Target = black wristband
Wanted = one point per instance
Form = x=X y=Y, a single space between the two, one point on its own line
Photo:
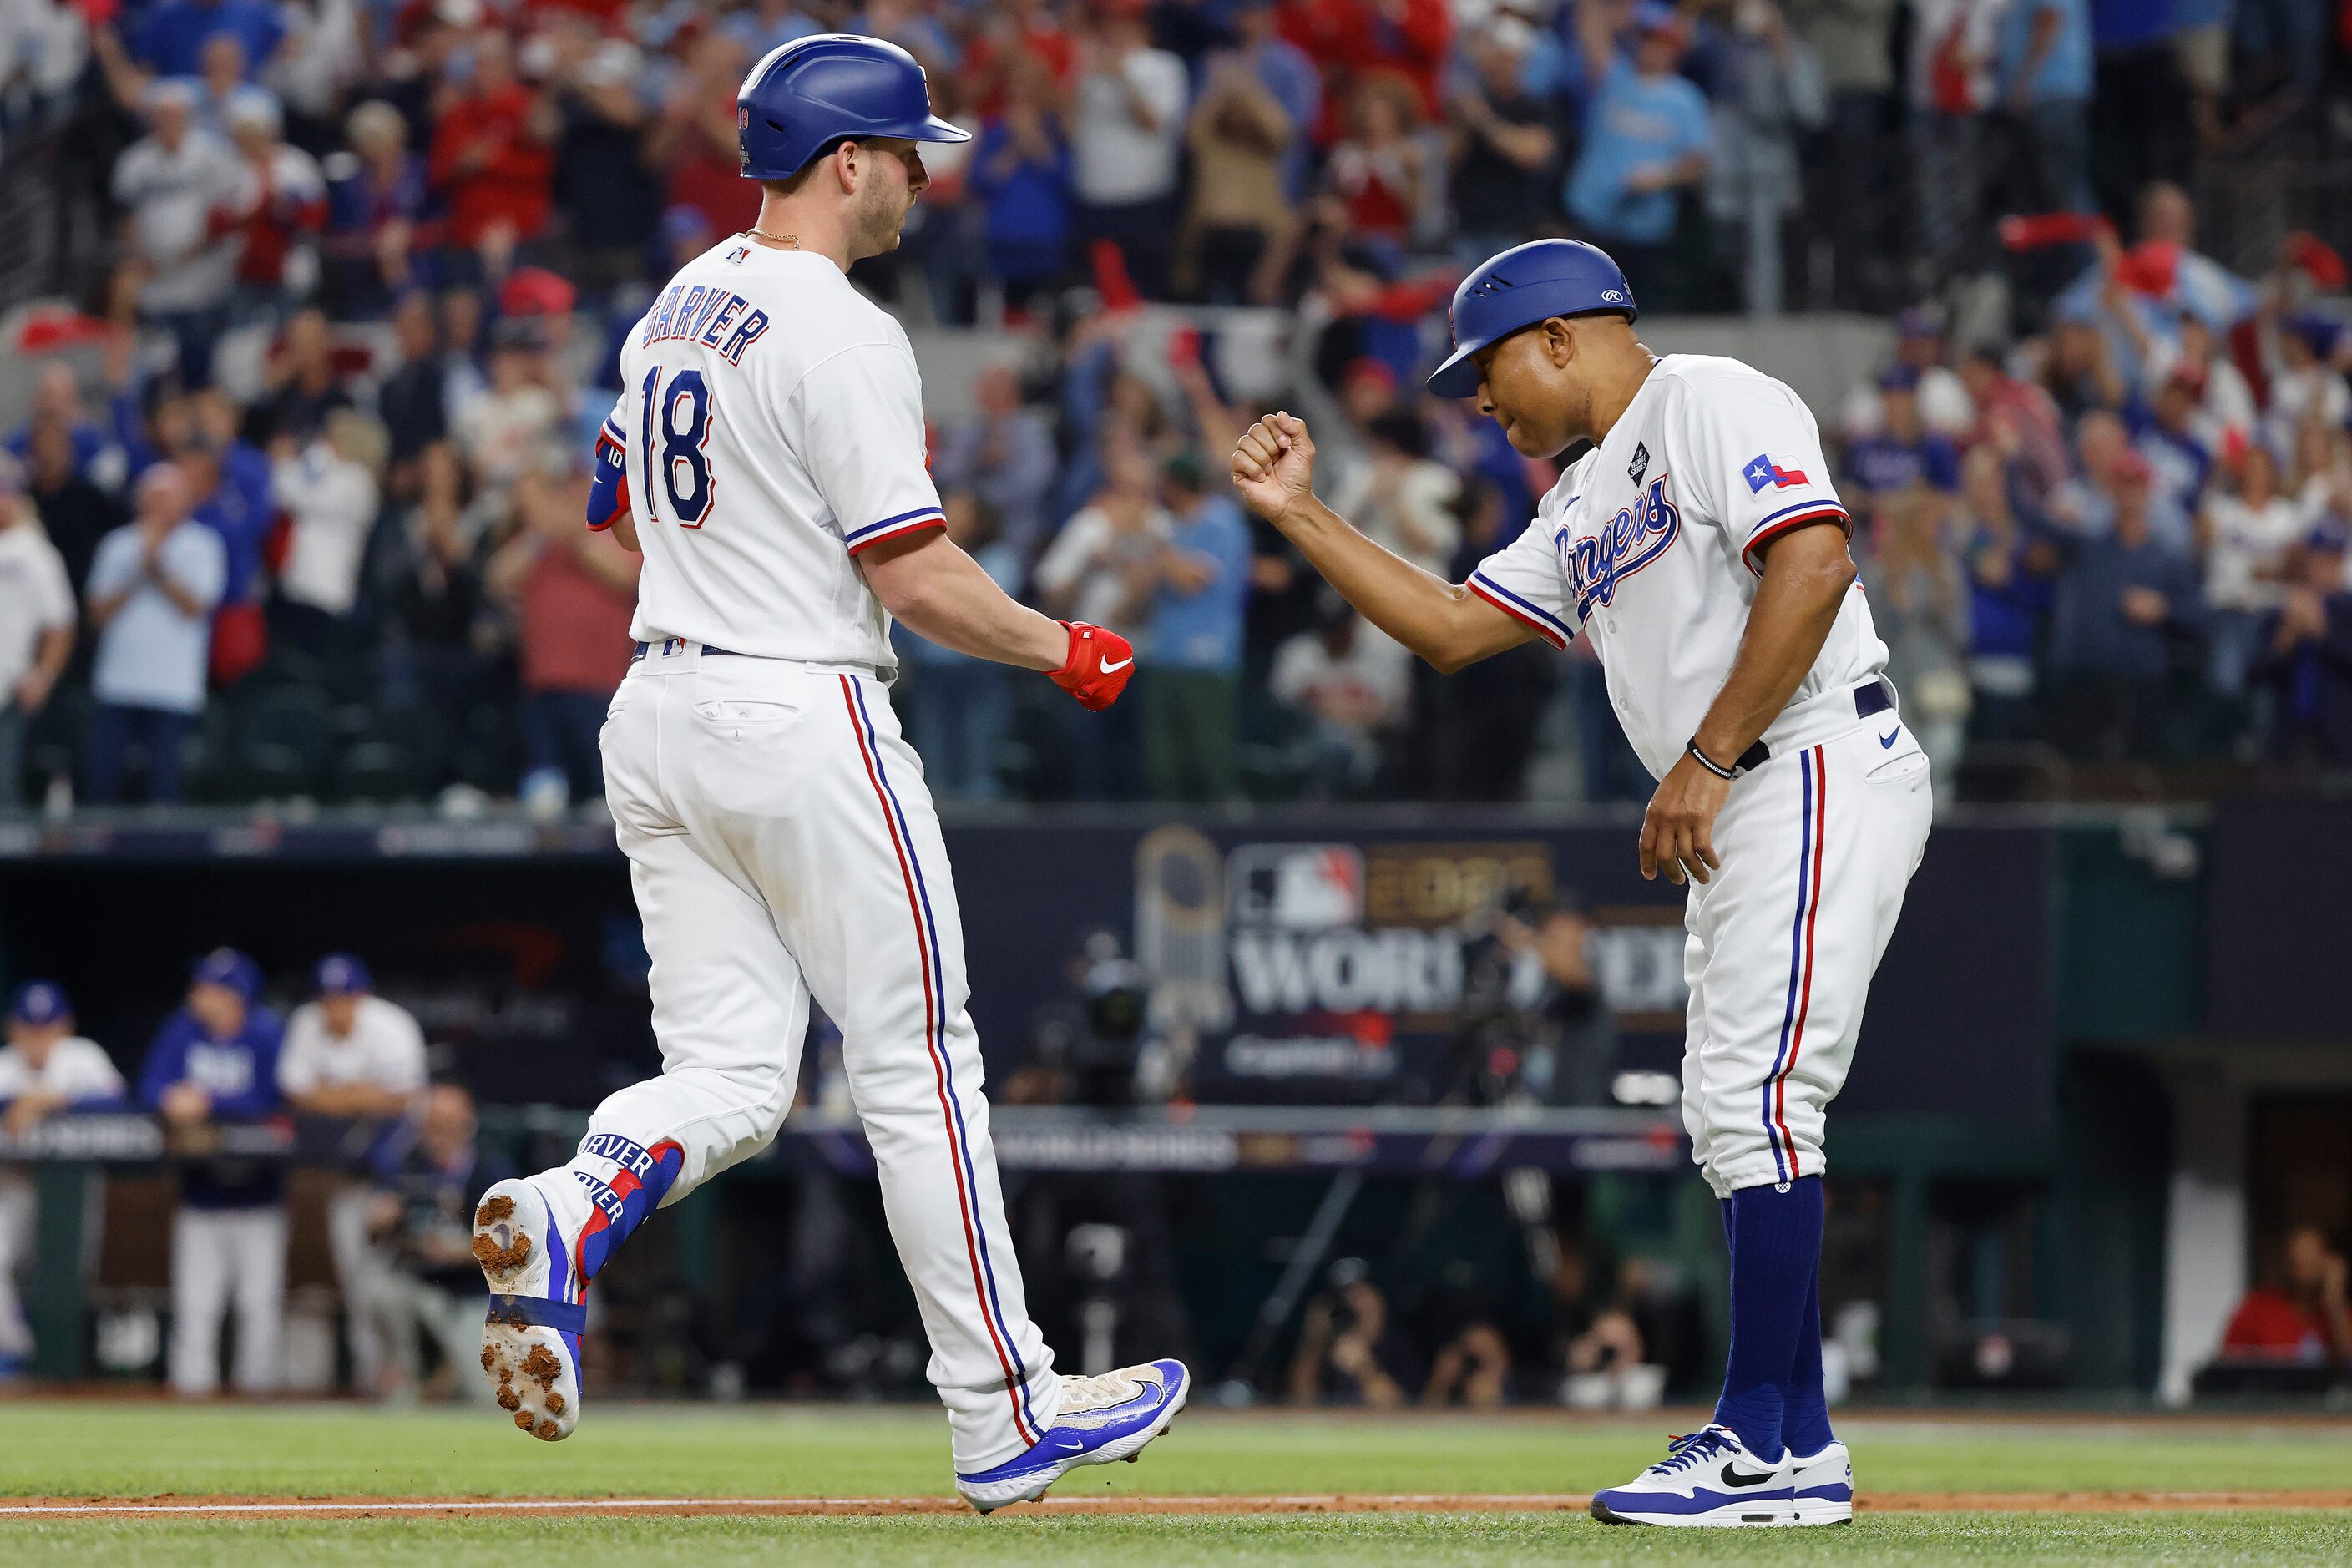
x=1709 y=764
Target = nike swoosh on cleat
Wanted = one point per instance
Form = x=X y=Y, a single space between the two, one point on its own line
x=1732 y=1478
x=1886 y=742
x=1115 y=668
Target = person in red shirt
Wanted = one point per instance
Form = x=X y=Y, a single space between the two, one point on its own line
x=692 y=140
x=281 y=206
x=2303 y=1318
x=494 y=156
x=572 y=593
x=1351 y=37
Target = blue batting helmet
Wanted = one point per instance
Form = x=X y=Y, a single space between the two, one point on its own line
x=832 y=87
x=1526 y=284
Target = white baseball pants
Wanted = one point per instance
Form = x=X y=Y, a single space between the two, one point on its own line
x=19 y=1230
x=782 y=845
x=219 y=1255
x=1818 y=846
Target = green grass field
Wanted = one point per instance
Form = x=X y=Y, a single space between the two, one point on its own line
x=150 y=1448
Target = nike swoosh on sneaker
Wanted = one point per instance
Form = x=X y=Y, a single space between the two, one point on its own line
x=1115 y=668
x=1732 y=1478
x=1886 y=742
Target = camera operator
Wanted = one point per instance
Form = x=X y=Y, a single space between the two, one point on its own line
x=1534 y=1027
x=429 y=1284
x=1103 y=1237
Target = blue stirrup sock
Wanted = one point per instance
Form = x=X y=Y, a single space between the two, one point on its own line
x=626 y=1183
x=1775 y=1235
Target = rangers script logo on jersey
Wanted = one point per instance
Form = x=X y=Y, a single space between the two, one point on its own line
x=1637 y=535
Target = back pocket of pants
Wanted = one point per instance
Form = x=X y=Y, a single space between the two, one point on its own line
x=728 y=715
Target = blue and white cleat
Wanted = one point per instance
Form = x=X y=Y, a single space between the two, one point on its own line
x=1707 y=1479
x=1102 y=1419
x=530 y=1341
x=1824 y=1486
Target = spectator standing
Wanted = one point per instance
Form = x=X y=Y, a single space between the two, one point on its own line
x=1904 y=467
x=1506 y=144
x=413 y=401
x=300 y=388
x=1021 y=175
x=1126 y=127
x=1004 y=456
x=326 y=489
x=2124 y=602
x=1852 y=40
x=1403 y=498
x=493 y=157
x=2309 y=663
x=1379 y=170
x=74 y=512
x=57 y=400
x=377 y=198
x=2250 y=528
x=1197 y=584
x=1284 y=69
x=1648 y=137
x=1238 y=225
x=215 y=1061
x=170 y=182
x=1090 y=573
x=431 y=1287
x=2044 y=70
x=1950 y=86
x=44 y=1069
x=610 y=200
x=959 y=708
x=151 y=591
x=2141 y=107
x=573 y=592
x=1771 y=98
x=279 y=209
x=2010 y=595
x=37 y=626
x=692 y=140
x=351 y=1055
x=1354 y=683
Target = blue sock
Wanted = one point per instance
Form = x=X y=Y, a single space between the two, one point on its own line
x=1805 y=1406
x=626 y=1183
x=1776 y=1259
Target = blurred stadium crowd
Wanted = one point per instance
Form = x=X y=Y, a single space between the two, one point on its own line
x=349 y=277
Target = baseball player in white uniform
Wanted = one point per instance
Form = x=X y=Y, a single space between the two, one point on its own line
x=1700 y=547
x=350 y=1053
x=767 y=457
x=44 y=1069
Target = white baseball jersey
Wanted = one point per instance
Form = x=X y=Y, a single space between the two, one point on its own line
x=1649 y=544
x=782 y=843
x=76 y=1068
x=771 y=423
x=384 y=1049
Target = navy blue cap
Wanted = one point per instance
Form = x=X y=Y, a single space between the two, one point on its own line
x=39 y=1002
x=340 y=975
x=1899 y=378
x=1526 y=284
x=2330 y=536
x=226 y=966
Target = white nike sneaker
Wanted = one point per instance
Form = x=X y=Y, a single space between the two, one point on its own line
x=1103 y=1419
x=1708 y=1479
x=1823 y=1485
x=530 y=1341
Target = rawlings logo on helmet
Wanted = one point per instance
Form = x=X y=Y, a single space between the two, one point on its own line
x=1612 y=296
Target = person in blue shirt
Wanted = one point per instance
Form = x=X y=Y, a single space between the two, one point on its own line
x=171 y=42
x=2163 y=432
x=1198 y=584
x=2043 y=66
x=1906 y=462
x=2129 y=609
x=1020 y=170
x=215 y=1061
x=2011 y=562
x=1647 y=137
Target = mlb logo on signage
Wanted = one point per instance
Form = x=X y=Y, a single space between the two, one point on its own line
x=1298 y=886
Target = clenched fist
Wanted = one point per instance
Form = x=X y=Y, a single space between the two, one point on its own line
x=1274 y=465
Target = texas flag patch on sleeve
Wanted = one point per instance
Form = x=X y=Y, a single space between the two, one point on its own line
x=1762 y=471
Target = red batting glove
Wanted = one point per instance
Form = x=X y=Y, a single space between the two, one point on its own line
x=1097 y=671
